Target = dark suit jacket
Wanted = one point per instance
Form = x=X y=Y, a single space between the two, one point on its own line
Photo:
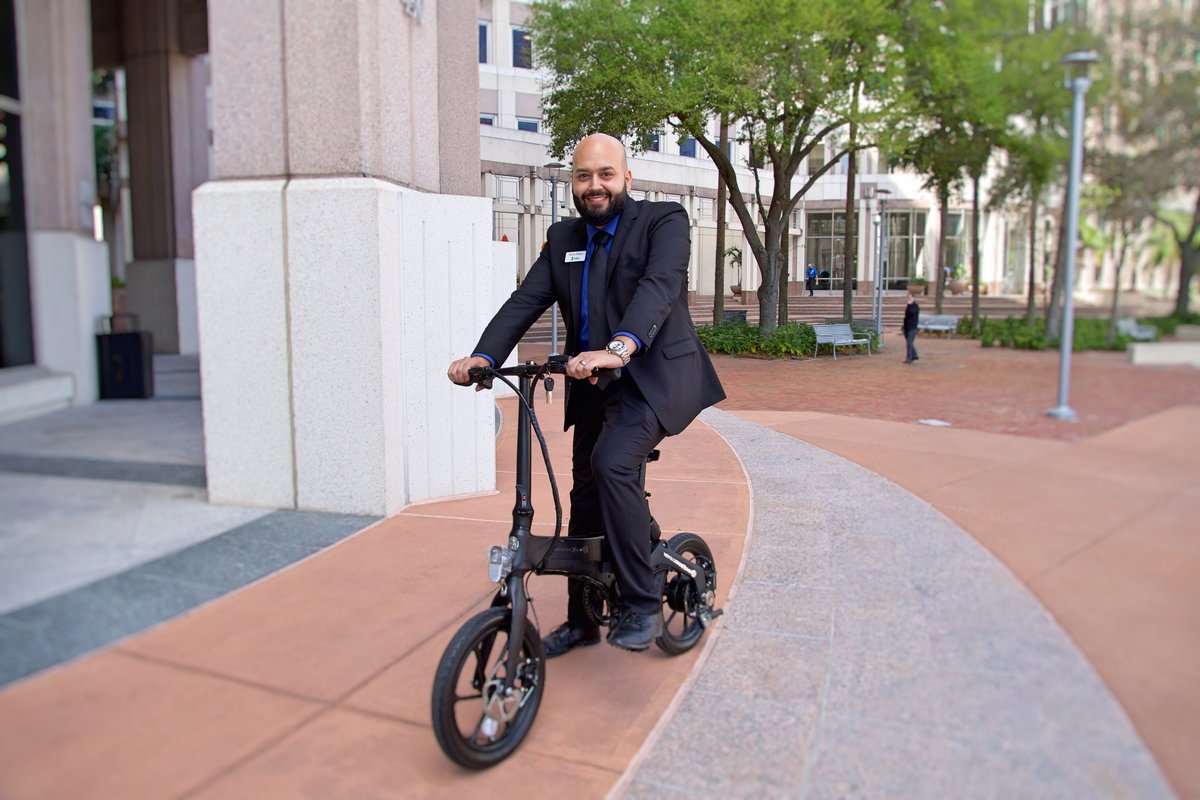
x=646 y=295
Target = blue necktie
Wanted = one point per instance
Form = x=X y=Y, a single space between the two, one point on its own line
x=594 y=322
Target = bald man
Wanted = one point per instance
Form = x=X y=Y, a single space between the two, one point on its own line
x=626 y=307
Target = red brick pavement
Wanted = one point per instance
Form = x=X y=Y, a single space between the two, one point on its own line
x=958 y=381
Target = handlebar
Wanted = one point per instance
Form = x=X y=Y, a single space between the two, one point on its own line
x=554 y=365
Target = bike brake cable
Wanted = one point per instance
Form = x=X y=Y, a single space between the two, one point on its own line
x=537 y=429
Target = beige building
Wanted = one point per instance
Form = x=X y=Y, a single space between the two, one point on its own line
x=298 y=182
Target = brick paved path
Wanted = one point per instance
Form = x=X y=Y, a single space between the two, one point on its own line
x=958 y=381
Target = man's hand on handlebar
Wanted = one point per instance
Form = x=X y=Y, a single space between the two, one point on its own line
x=459 y=370
x=581 y=366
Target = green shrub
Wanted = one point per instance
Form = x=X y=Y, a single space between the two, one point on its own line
x=794 y=339
x=1166 y=325
x=734 y=338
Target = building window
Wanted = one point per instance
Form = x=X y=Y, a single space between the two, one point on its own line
x=487 y=119
x=529 y=125
x=707 y=209
x=905 y=248
x=956 y=257
x=522 y=55
x=507 y=189
x=688 y=147
x=651 y=143
x=826 y=247
x=816 y=159
x=483 y=43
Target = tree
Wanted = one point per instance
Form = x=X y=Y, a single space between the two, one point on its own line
x=781 y=71
x=947 y=106
x=722 y=199
x=1153 y=153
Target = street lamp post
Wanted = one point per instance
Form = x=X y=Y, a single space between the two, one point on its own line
x=554 y=167
x=1078 y=82
x=880 y=263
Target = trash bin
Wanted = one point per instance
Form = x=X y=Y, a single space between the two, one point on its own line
x=736 y=315
x=126 y=359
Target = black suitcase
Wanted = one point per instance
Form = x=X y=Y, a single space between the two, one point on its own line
x=126 y=361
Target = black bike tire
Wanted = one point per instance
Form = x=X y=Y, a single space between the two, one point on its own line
x=684 y=544
x=445 y=726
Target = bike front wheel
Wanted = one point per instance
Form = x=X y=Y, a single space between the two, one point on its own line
x=478 y=720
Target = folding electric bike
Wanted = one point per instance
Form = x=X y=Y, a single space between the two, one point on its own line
x=490 y=680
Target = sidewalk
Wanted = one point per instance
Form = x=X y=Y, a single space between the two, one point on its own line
x=870 y=648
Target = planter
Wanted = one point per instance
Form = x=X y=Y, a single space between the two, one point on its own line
x=957 y=287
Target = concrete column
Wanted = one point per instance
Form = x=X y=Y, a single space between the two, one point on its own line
x=168 y=148
x=335 y=283
x=68 y=269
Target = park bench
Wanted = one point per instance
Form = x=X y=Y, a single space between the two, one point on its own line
x=839 y=335
x=1132 y=329
x=938 y=323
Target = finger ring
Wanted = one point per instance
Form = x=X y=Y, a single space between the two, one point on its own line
x=582 y=363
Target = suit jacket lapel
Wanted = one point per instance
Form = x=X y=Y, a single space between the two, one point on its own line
x=628 y=214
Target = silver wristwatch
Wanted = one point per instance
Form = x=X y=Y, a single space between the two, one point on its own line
x=618 y=348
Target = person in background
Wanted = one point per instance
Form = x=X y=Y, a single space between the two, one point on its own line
x=912 y=315
x=810 y=279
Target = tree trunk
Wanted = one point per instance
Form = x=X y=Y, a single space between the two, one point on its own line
x=1054 y=308
x=1031 y=305
x=783 y=274
x=975 y=257
x=1188 y=256
x=768 y=292
x=849 y=263
x=944 y=221
x=1112 y=317
x=719 y=277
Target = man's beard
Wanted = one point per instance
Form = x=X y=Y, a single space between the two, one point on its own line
x=600 y=219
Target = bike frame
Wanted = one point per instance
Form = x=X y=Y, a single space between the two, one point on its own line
x=577 y=557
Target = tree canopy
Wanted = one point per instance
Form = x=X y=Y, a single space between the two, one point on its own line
x=783 y=71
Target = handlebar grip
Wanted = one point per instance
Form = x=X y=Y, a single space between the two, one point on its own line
x=479 y=375
x=613 y=374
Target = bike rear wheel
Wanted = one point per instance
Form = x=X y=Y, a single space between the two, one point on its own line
x=682 y=604
x=476 y=722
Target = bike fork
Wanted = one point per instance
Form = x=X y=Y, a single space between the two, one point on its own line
x=516 y=631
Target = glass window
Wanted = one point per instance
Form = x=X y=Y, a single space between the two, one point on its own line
x=688 y=147
x=708 y=208
x=652 y=143
x=816 y=158
x=483 y=43
x=508 y=189
x=957 y=255
x=487 y=119
x=905 y=249
x=530 y=125
x=522 y=56
x=826 y=247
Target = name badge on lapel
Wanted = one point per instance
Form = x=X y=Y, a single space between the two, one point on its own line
x=576 y=256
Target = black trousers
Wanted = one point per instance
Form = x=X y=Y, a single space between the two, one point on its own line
x=910 y=338
x=612 y=439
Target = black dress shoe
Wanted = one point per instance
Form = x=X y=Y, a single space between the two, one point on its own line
x=636 y=631
x=564 y=637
